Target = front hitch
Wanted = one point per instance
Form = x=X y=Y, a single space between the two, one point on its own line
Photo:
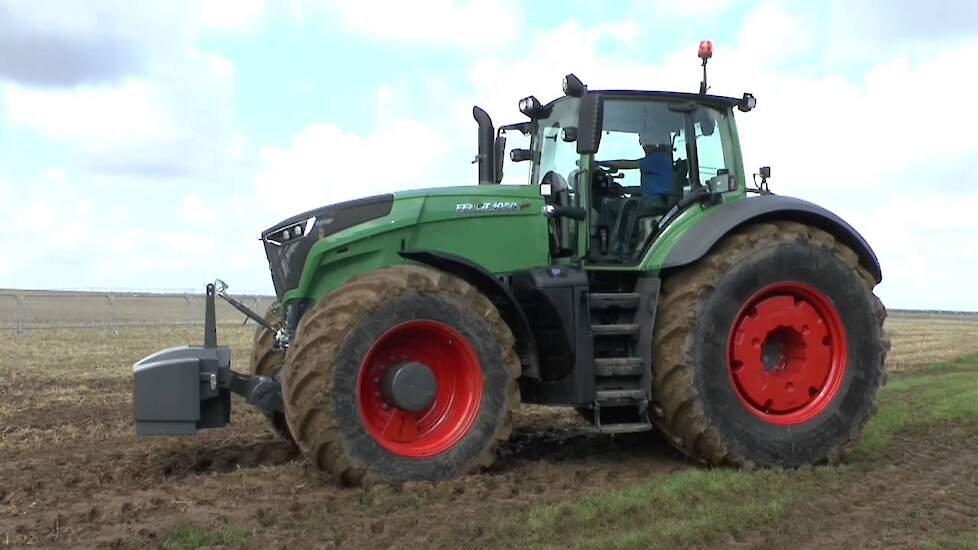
x=178 y=391
x=281 y=335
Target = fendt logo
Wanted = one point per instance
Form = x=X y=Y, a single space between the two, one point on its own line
x=470 y=208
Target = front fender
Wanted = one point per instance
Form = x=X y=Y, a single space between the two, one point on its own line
x=509 y=308
x=359 y=249
x=700 y=238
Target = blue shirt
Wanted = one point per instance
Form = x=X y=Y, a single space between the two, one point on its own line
x=656 y=172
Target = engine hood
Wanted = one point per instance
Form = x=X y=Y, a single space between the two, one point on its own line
x=287 y=243
x=437 y=218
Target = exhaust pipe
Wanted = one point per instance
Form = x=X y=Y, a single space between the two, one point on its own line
x=485 y=156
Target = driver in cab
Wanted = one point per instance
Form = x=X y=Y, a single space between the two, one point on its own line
x=655 y=167
x=656 y=176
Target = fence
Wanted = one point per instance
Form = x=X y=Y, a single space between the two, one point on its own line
x=22 y=312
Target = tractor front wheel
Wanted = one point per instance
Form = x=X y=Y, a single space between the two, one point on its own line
x=769 y=351
x=406 y=373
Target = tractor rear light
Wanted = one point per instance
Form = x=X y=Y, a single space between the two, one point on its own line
x=706 y=50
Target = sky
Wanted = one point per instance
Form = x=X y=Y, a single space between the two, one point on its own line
x=145 y=145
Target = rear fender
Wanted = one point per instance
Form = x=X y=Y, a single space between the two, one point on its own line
x=701 y=237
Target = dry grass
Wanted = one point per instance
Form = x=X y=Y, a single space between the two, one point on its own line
x=919 y=341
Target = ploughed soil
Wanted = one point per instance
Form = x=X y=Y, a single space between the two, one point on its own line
x=73 y=474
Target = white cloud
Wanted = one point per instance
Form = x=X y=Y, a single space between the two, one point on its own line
x=193 y=211
x=124 y=83
x=770 y=34
x=694 y=8
x=467 y=24
x=59 y=43
x=74 y=234
x=323 y=164
x=175 y=121
x=231 y=15
x=106 y=115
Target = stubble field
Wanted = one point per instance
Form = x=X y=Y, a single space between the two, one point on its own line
x=73 y=474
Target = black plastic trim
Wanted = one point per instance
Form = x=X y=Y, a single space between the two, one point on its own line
x=287 y=259
x=696 y=242
x=556 y=298
x=509 y=308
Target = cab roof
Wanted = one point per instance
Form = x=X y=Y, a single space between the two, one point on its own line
x=715 y=100
x=718 y=100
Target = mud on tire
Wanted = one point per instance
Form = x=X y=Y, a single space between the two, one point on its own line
x=697 y=403
x=324 y=397
x=268 y=361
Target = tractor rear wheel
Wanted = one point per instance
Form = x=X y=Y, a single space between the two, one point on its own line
x=406 y=373
x=266 y=360
x=769 y=351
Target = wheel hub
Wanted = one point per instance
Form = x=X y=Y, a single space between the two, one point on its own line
x=409 y=386
x=787 y=353
x=783 y=347
x=419 y=389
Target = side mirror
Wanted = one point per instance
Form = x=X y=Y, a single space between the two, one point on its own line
x=569 y=134
x=708 y=124
x=764 y=172
x=722 y=182
x=499 y=149
x=589 y=124
x=520 y=155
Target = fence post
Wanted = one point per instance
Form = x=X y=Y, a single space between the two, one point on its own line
x=19 y=315
x=110 y=323
x=189 y=314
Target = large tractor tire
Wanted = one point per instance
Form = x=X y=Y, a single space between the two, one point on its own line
x=405 y=373
x=268 y=361
x=769 y=351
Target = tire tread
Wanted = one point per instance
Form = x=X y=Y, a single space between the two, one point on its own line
x=677 y=411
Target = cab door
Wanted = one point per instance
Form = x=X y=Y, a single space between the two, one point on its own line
x=562 y=179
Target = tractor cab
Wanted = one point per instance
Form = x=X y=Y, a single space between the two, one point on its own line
x=647 y=153
x=613 y=164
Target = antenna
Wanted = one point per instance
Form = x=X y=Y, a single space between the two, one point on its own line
x=705 y=53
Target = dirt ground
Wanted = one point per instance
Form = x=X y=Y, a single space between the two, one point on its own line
x=73 y=474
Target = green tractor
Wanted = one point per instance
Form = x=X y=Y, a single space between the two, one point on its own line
x=637 y=278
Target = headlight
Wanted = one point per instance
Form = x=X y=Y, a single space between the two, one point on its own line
x=292 y=232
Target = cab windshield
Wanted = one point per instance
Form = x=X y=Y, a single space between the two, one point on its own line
x=652 y=154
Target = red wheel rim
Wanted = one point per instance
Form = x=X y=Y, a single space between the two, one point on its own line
x=787 y=353
x=458 y=376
